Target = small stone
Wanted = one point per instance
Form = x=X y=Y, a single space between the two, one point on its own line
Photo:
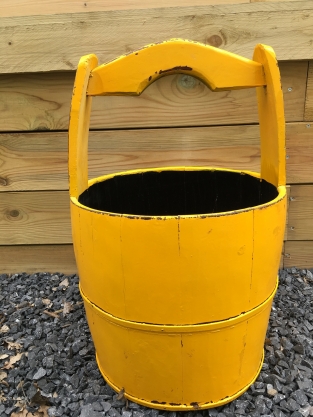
x=137 y=414
x=87 y=411
x=305 y=411
x=279 y=413
x=278 y=398
x=300 y=397
x=113 y=413
x=106 y=406
x=292 y=405
x=73 y=406
x=39 y=374
x=97 y=406
x=305 y=384
x=299 y=349
x=272 y=392
x=126 y=414
x=134 y=406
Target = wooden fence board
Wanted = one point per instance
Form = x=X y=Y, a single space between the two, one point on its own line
x=300 y=226
x=38 y=160
x=56 y=42
x=308 y=111
x=47 y=7
x=299 y=151
x=37 y=258
x=35 y=218
x=42 y=102
x=43 y=217
x=299 y=254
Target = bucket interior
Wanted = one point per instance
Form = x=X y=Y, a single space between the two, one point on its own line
x=174 y=193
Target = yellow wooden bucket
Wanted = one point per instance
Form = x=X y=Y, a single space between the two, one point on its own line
x=178 y=265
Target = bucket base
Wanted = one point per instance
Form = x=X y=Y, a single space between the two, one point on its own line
x=180 y=407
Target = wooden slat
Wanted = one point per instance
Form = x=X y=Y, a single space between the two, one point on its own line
x=299 y=254
x=287 y=214
x=47 y=7
x=44 y=218
x=42 y=102
x=299 y=150
x=35 y=218
x=38 y=161
x=300 y=226
x=308 y=112
x=281 y=263
x=37 y=258
x=56 y=42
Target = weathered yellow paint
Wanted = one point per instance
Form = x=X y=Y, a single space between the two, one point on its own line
x=180 y=367
x=218 y=69
x=178 y=305
x=272 y=120
x=79 y=127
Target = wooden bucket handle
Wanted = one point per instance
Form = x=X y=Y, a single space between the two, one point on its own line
x=219 y=70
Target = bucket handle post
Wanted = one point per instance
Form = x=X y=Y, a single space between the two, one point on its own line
x=219 y=70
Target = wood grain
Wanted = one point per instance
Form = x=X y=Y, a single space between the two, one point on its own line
x=300 y=226
x=56 y=42
x=46 y=7
x=43 y=217
x=35 y=218
x=299 y=254
x=37 y=161
x=37 y=258
x=308 y=111
x=299 y=150
x=42 y=102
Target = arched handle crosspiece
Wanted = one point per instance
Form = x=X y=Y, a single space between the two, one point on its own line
x=219 y=70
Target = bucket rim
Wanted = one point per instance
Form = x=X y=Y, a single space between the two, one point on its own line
x=282 y=192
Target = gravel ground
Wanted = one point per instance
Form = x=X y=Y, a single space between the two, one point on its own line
x=48 y=368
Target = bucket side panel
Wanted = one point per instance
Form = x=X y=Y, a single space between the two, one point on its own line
x=215 y=266
x=172 y=271
x=172 y=370
x=269 y=228
x=218 y=364
x=97 y=247
x=146 y=364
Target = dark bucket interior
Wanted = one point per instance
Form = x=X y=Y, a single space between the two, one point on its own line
x=173 y=193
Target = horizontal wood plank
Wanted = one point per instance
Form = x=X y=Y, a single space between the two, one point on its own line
x=44 y=218
x=47 y=7
x=298 y=254
x=31 y=102
x=35 y=218
x=300 y=226
x=56 y=42
x=37 y=258
x=38 y=160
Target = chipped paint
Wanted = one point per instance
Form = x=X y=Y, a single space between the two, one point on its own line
x=176 y=69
